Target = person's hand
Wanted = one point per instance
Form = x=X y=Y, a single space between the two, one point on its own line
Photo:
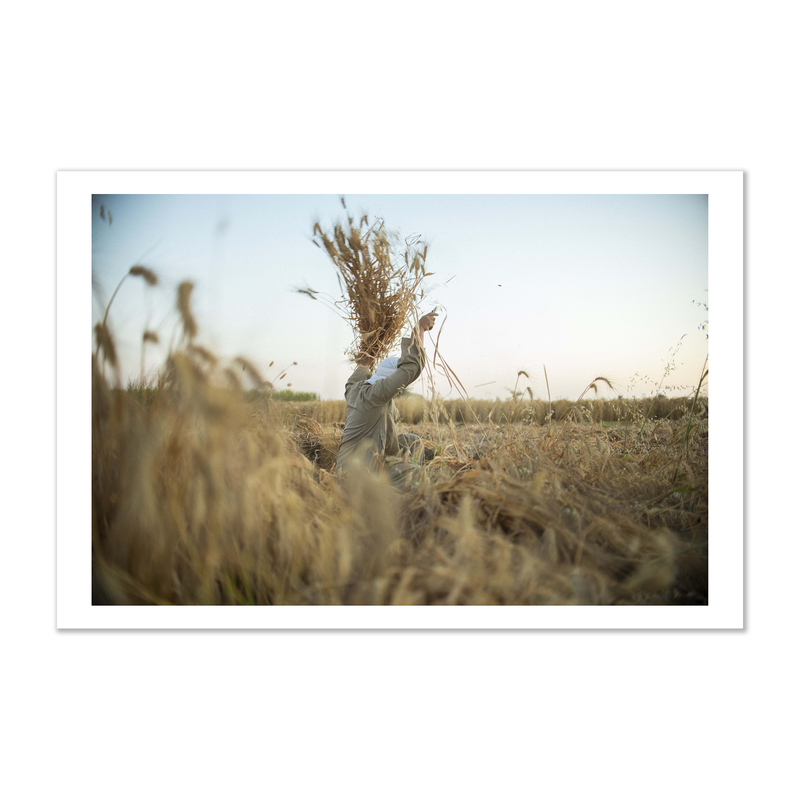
x=427 y=322
x=362 y=359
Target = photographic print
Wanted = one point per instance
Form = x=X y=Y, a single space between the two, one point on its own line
x=398 y=399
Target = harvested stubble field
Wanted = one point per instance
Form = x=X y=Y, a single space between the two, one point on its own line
x=200 y=497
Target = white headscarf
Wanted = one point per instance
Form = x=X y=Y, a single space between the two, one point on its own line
x=384 y=370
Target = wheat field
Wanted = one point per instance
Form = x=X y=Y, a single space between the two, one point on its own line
x=203 y=493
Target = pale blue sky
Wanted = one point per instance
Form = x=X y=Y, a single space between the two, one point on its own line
x=586 y=285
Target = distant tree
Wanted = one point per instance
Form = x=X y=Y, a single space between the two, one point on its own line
x=295 y=397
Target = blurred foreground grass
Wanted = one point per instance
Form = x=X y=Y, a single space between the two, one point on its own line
x=204 y=495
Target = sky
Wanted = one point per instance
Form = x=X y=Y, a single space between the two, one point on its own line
x=580 y=285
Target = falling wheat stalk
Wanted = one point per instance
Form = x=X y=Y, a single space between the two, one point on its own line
x=147 y=274
x=147 y=336
x=104 y=340
x=593 y=386
x=444 y=369
x=547 y=382
x=185 y=311
x=514 y=394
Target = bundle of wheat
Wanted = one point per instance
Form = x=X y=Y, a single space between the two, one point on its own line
x=380 y=279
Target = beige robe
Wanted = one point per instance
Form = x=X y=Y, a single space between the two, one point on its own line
x=370 y=430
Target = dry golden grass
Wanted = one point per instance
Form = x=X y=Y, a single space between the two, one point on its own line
x=319 y=445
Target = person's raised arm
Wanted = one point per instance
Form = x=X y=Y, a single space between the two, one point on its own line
x=409 y=367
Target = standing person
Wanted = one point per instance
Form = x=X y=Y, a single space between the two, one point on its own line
x=370 y=431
